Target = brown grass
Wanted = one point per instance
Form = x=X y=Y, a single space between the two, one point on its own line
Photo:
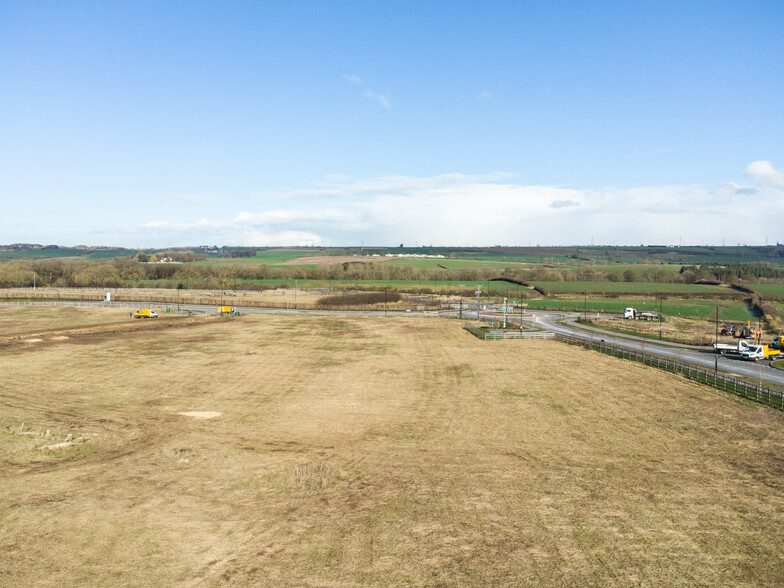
x=334 y=260
x=27 y=322
x=681 y=330
x=376 y=452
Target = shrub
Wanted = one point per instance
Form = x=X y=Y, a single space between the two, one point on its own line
x=359 y=299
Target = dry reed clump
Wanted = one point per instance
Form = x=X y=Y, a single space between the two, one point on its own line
x=358 y=299
x=767 y=311
x=312 y=476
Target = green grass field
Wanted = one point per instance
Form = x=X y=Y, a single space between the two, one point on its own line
x=630 y=287
x=774 y=289
x=42 y=253
x=66 y=252
x=268 y=257
x=453 y=264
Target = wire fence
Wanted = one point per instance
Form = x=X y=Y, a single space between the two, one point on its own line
x=756 y=391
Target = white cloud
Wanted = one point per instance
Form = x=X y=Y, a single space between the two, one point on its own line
x=460 y=209
x=354 y=79
x=380 y=98
x=764 y=172
x=484 y=95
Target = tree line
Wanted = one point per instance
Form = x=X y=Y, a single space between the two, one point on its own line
x=130 y=271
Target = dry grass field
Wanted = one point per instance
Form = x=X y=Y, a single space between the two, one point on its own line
x=345 y=452
x=30 y=322
x=681 y=330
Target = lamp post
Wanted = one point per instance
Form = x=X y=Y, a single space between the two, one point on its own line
x=521 y=308
x=661 y=306
x=33 y=281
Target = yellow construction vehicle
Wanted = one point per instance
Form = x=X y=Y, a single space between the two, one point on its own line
x=144 y=313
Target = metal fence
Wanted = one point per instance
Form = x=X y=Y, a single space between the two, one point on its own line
x=756 y=391
x=490 y=334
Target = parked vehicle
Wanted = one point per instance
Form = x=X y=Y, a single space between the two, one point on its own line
x=777 y=343
x=637 y=315
x=731 y=348
x=226 y=310
x=753 y=353
x=757 y=352
x=144 y=313
x=728 y=330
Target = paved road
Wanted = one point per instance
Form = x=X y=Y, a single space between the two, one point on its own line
x=701 y=356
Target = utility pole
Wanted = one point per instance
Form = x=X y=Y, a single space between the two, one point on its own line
x=661 y=305
x=717 y=341
x=585 y=304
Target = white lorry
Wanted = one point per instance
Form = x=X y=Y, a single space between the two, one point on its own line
x=637 y=315
x=731 y=348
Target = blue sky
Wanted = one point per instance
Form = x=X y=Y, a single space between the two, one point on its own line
x=451 y=123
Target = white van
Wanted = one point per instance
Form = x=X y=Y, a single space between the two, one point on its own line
x=753 y=353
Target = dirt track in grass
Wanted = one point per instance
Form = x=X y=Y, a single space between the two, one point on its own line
x=376 y=452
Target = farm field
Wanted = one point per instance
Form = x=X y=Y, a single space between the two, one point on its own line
x=455 y=264
x=278 y=450
x=633 y=288
x=267 y=256
x=16 y=321
x=775 y=289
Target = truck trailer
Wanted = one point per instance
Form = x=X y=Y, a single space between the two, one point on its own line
x=731 y=348
x=637 y=315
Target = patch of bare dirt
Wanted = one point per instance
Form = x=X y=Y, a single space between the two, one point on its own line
x=333 y=259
